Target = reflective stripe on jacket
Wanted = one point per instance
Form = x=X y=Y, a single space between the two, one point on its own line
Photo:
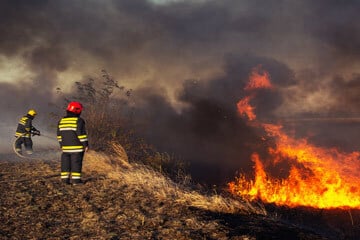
x=24 y=127
x=71 y=134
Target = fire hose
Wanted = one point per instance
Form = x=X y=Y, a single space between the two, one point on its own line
x=35 y=133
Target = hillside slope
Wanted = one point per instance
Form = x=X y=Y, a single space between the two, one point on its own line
x=123 y=201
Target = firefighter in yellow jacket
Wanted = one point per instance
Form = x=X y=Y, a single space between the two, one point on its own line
x=24 y=131
x=72 y=137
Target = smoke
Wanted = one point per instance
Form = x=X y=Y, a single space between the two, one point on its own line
x=188 y=62
x=168 y=43
x=208 y=131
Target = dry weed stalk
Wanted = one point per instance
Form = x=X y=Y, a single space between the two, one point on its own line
x=143 y=178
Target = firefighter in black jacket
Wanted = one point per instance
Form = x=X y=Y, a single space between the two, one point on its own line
x=72 y=137
x=24 y=131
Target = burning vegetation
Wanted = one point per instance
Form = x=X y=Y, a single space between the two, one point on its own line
x=317 y=177
x=126 y=200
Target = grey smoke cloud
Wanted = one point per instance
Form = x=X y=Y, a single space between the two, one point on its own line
x=209 y=132
x=193 y=54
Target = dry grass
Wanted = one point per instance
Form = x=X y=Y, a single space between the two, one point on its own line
x=123 y=200
x=143 y=178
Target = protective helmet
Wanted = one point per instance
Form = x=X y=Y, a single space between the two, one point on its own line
x=75 y=107
x=32 y=112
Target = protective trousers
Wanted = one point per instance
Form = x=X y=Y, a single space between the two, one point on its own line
x=24 y=140
x=71 y=165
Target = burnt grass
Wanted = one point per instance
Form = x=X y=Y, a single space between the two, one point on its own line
x=34 y=204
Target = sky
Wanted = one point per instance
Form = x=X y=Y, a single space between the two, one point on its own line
x=185 y=55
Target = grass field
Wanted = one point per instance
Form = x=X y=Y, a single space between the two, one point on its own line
x=125 y=200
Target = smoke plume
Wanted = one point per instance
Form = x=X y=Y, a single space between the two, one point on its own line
x=188 y=62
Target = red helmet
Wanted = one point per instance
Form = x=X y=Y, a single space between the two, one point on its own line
x=75 y=107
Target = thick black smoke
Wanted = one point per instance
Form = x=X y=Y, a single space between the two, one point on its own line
x=142 y=41
x=209 y=132
x=188 y=62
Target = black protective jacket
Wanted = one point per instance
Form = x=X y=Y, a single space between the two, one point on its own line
x=71 y=133
x=25 y=127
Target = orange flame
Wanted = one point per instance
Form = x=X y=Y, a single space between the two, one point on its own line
x=258 y=79
x=244 y=108
x=317 y=177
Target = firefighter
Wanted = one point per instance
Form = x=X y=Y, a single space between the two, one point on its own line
x=72 y=137
x=24 y=131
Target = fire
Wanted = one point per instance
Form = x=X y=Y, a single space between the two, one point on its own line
x=244 y=108
x=258 y=79
x=317 y=177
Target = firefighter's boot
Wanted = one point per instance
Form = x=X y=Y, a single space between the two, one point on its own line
x=78 y=182
x=65 y=181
